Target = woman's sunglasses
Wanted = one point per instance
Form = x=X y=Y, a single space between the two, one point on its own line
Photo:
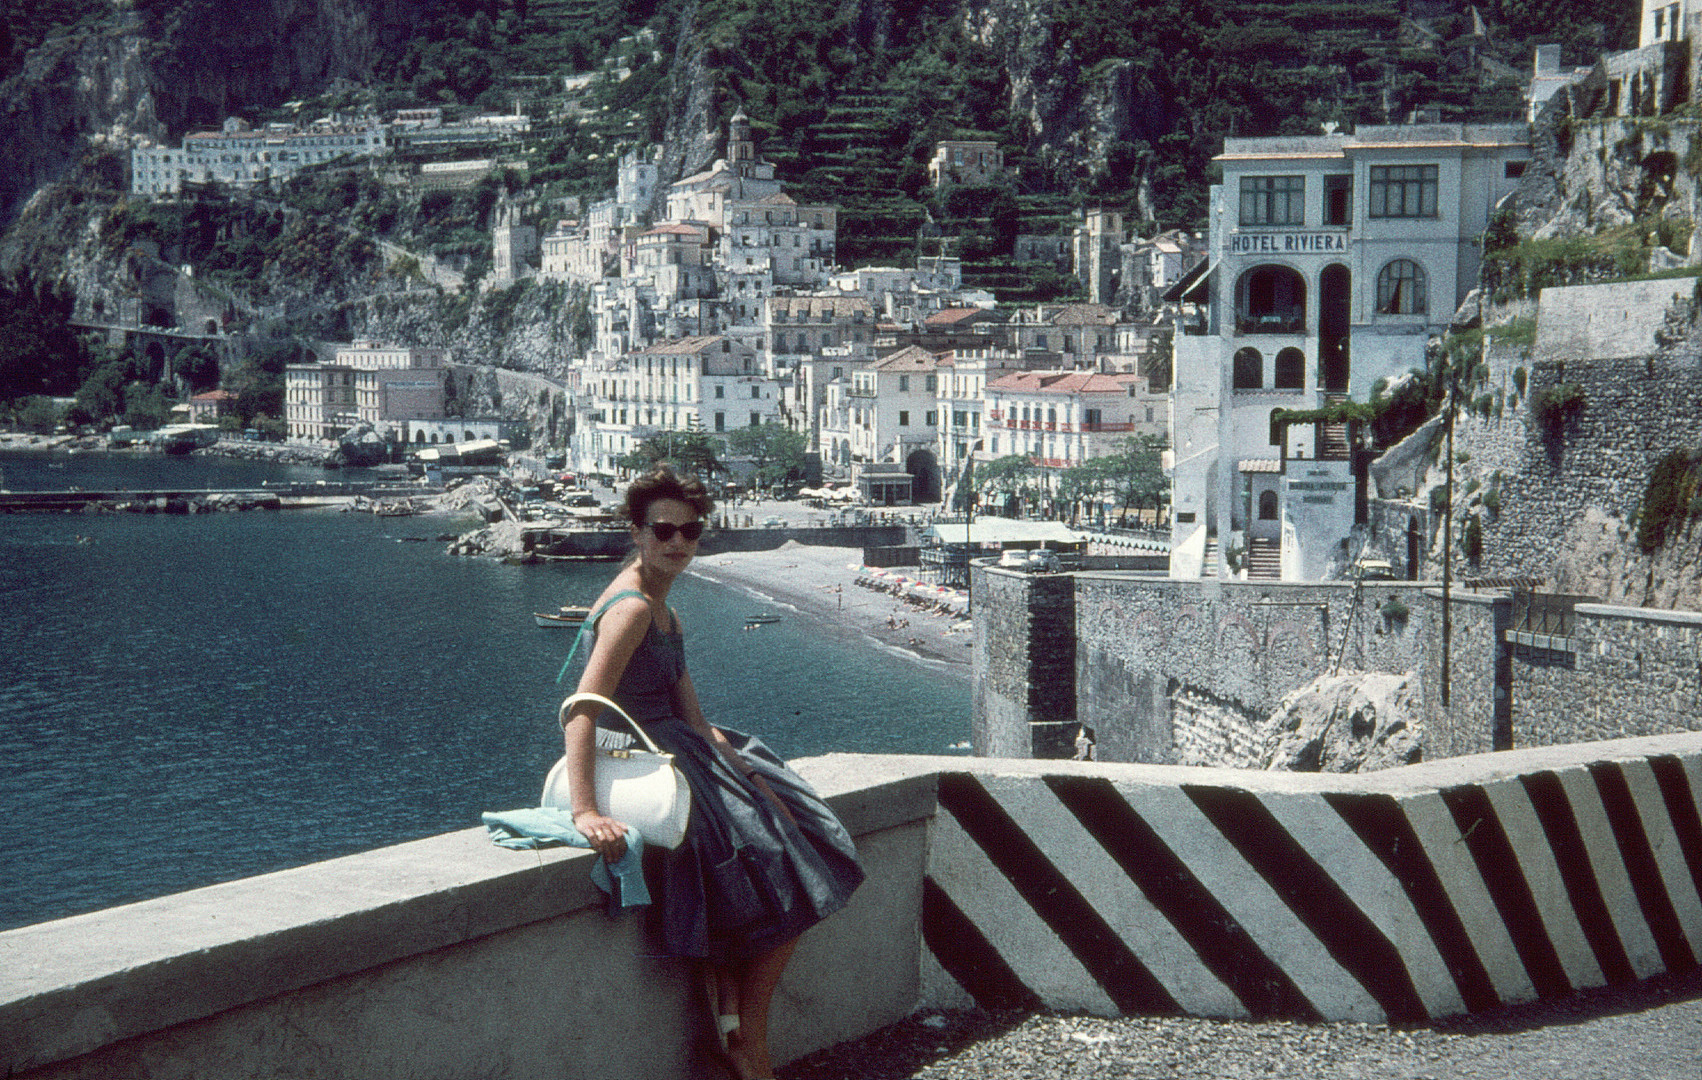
x=665 y=530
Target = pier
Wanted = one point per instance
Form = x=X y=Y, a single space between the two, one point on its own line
x=270 y=497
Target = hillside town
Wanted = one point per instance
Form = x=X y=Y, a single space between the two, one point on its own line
x=1331 y=265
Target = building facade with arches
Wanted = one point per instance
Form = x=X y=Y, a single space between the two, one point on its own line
x=1332 y=261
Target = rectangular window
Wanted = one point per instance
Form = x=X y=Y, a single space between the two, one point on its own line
x=756 y=393
x=933 y=383
x=1273 y=200
x=720 y=391
x=720 y=421
x=1512 y=170
x=756 y=420
x=904 y=418
x=1090 y=418
x=1338 y=200
x=903 y=383
x=1403 y=191
x=930 y=418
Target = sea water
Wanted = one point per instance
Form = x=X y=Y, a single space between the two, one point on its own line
x=186 y=700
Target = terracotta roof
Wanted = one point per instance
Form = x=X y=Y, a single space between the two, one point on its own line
x=679 y=346
x=215 y=395
x=910 y=358
x=1063 y=382
x=954 y=316
x=779 y=198
x=673 y=229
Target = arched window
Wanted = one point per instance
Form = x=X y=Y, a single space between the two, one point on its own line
x=1290 y=371
x=1270 y=300
x=1267 y=506
x=1249 y=371
x=1401 y=289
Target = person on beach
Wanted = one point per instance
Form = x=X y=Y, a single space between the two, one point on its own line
x=764 y=858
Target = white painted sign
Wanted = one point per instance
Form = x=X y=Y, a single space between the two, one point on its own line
x=1287 y=243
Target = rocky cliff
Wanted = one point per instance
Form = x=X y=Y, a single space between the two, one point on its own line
x=159 y=69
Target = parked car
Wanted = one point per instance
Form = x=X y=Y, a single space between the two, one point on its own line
x=1372 y=570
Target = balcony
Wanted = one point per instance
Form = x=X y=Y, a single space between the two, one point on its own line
x=1281 y=322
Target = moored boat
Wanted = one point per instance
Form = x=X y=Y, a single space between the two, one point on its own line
x=569 y=615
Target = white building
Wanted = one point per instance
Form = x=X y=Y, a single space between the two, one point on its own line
x=712 y=384
x=241 y=156
x=962 y=399
x=1333 y=260
x=1060 y=419
x=365 y=383
x=894 y=417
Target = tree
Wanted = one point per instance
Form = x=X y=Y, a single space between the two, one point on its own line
x=1014 y=475
x=688 y=451
x=38 y=414
x=776 y=451
x=1134 y=472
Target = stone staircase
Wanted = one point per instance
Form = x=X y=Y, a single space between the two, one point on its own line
x=1208 y=567
x=1332 y=437
x=1264 y=559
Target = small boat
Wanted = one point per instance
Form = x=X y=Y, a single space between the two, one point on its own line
x=567 y=616
x=753 y=621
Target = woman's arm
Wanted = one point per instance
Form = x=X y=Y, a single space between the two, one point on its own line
x=620 y=630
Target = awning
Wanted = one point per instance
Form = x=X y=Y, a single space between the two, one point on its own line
x=1260 y=465
x=1189 y=286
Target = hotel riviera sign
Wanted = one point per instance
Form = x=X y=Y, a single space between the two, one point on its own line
x=1303 y=243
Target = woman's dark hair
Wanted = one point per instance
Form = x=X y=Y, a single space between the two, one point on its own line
x=663 y=483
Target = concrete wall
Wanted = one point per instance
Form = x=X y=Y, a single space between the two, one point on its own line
x=443 y=957
x=1402 y=895
x=1399 y=896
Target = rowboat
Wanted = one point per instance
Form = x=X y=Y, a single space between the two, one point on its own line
x=569 y=615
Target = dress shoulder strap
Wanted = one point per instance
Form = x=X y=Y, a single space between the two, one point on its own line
x=590 y=623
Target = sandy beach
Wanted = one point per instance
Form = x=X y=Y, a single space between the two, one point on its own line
x=820 y=582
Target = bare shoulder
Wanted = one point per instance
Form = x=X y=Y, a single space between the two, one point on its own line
x=623 y=614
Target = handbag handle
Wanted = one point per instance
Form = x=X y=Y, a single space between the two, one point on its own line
x=586 y=695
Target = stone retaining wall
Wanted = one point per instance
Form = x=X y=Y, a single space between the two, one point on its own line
x=1622 y=672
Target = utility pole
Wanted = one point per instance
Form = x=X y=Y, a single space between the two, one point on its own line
x=1448 y=535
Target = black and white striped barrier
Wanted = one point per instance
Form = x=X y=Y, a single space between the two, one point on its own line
x=1402 y=896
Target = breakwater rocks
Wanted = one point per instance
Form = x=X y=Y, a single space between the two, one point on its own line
x=211 y=503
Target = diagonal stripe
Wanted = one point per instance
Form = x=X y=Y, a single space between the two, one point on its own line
x=1537 y=865
x=1554 y=810
x=966 y=954
x=1480 y=827
x=1640 y=865
x=1369 y=887
x=1249 y=899
x=1354 y=940
x=1127 y=910
x=1380 y=823
x=1030 y=947
x=1680 y=793
x=1668 y=846
x=1433 y=823
x=1220 y=942
x=1124 y=978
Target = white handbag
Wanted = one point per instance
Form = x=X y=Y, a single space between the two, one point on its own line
x=638 y=786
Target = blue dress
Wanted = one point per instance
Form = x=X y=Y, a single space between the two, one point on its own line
x=745 y=879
